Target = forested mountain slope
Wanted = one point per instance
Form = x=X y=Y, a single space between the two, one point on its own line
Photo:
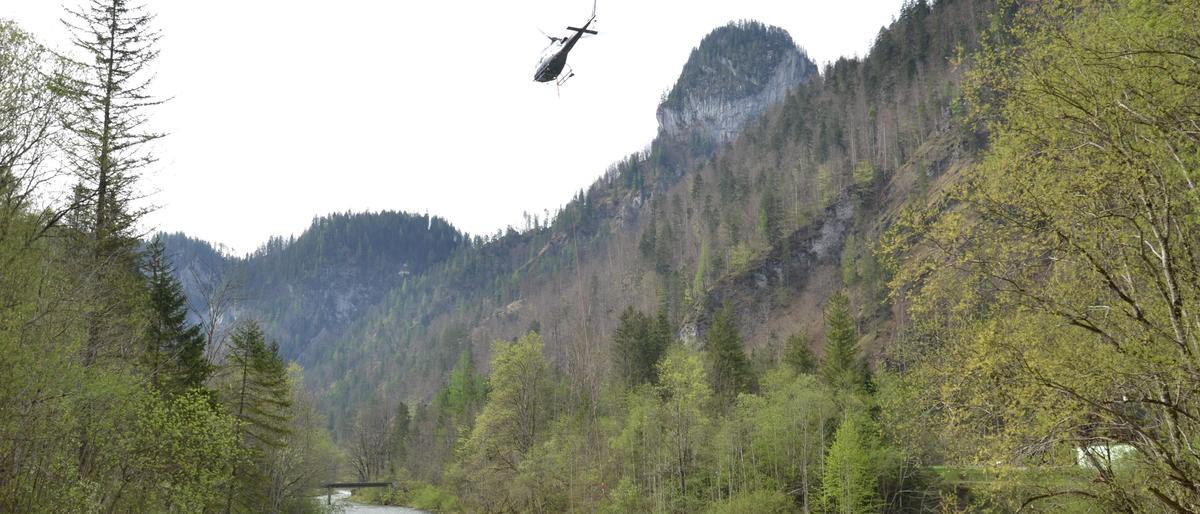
x=770 y=222
x=308 y=289
x=960 y=274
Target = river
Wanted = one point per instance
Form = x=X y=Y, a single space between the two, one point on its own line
x=342 y=499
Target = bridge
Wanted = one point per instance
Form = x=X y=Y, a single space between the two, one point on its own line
x=349 y=485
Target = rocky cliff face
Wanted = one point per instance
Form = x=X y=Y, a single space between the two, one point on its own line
x=736 y=73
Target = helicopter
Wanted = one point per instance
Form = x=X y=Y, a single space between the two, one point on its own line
x=554 y=58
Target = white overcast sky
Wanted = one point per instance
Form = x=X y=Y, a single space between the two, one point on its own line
x=282 y=110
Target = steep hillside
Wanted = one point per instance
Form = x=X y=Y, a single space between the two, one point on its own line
x=960 y=274
x=776 y=219
x=307 y=290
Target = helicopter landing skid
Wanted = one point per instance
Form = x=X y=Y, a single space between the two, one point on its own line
x=563 y=80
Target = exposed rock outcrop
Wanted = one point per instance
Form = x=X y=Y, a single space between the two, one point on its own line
x=736 y=73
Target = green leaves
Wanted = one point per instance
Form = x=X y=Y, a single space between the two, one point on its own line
x=513 y=420
x=183 y=449
x=849 y=482
x=1057 y=292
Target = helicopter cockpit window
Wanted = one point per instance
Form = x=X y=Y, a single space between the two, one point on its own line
x=547 y=55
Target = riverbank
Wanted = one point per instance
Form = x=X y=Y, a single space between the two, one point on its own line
x=412 y=495
x=345 y=502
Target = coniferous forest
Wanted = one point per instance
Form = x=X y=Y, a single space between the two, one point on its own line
x=960 y=273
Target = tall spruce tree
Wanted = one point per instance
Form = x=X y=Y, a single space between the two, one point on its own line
x=110 y=89
x=175 y=348
x=842 y=366
x=638 y=343
x=401 y=425
x=257 y=397
x=661 y=336
x=798 y=355
x=730 y=369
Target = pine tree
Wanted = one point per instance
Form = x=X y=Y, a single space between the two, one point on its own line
x=401 y=425
x=258 y=398
x=730 y=369
x=799 y=355
x=175 y=348
x=106 y=122
x=638 y=343
x=770 y=216
x=661 y=336
x=841 y=366
x=117 y=45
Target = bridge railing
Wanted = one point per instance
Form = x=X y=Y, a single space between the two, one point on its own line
x=349 y=485
x=355 y=485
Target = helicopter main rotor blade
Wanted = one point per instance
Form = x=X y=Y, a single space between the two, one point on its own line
x=548 y=36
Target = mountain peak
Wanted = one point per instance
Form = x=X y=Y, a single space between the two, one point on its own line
x=736 y=72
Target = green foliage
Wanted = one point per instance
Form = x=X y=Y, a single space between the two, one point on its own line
x=103 y=406
x=842 y=366
x=771 y=216
x=704 y=268
x=665 y=447
x=865 y=174
x=1048 y=293
x=81 y=429
x=307 y=457
x=729 y=369
x=739 y=257
x=256 y=394
x=798 y=354
x=790 y=428
x=627 y=497
x=647 y=245
x=175 y=352
x=434 y=499
x=638 y=343
x=754 y=502
x=682 y=413
x=558 y=473
x=465 y=390
x=515 y=417
x=407 y=492
x=182 y=450
x=665 y=430
x=295 y=285
x=849 y=483
x=401 y=426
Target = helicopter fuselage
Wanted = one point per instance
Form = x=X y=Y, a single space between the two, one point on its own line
x=555 y=57
x=551 y=66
